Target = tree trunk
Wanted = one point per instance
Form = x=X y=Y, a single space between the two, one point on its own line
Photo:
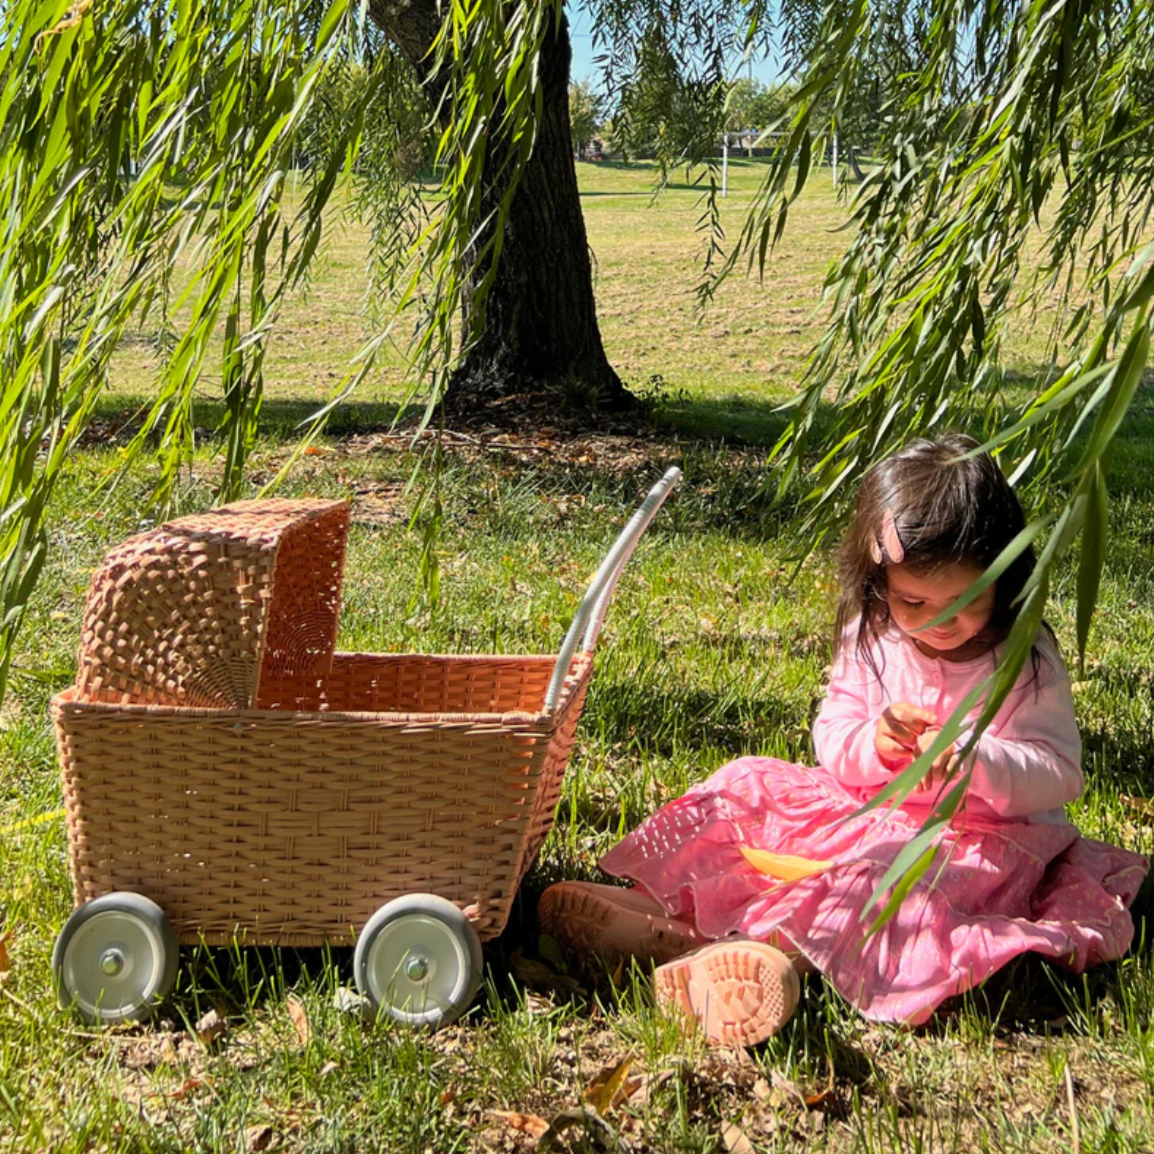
x=540 y=323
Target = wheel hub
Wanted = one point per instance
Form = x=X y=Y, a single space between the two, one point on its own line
x=417 y=968
x=111 y=962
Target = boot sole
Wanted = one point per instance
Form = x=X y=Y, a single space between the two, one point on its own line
x=739 y=993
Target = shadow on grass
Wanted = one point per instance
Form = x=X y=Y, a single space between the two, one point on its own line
x=667 y=415
x=683 y=724
x=281 y=420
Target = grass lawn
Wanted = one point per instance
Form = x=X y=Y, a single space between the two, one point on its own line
x=709 y=652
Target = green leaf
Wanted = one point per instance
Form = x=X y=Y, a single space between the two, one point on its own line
x=914 y=858
x=908 y=880
x=803 y=161
x=1093 y=557
x=1001 y=563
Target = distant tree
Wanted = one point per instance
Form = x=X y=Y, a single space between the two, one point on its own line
x=664 y=109
x=584 y=114
x=751 y=104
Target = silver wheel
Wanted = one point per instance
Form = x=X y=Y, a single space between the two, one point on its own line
x=115 y=959
x=418 y=960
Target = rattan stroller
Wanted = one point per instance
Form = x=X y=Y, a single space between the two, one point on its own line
x=228 y=777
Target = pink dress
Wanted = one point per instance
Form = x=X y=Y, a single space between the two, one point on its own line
x=1012 y=875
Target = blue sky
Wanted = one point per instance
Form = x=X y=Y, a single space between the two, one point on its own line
x=581 y=34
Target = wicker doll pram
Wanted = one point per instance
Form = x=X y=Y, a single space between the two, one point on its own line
x=229 y=777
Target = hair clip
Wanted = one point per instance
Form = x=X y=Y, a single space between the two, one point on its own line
x=890 y=542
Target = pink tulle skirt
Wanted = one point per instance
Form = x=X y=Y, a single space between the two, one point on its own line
x=996 y=890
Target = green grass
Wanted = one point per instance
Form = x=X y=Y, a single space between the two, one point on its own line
x=708 y=653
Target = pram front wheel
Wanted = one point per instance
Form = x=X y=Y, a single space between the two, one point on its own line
x=116 y=959
x=418 y=961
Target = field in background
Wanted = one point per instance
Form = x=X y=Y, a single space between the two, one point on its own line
x=647 y=253
x=710 y=652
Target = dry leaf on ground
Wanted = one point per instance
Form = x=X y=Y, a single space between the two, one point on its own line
x=608 y=1088
x=638 y=1090
x=300 y=1017
x=529 y=1124
x=6 y=937
x=788 y=1088
x=818 y=1098
x=258 y=1138
x=735 y=1140
x=186 y=1089
x=599 y=1135
x=209 y=1028
x=1141 y=805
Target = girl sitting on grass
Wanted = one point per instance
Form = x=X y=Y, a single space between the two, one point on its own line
x=1012 y=875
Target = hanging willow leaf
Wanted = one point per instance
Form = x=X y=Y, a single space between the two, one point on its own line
x=1093 y=556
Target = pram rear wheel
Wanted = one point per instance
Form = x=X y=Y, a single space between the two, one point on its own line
x=115 y=959
x=418 y=961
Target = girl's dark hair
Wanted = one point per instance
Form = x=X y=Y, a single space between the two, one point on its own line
x=947 y=508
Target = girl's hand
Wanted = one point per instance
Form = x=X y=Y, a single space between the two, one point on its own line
x=898 y=731
x=943 y=764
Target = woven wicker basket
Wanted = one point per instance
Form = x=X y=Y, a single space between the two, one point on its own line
x=219 y=758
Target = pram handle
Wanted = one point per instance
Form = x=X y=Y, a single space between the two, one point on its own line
x=591 y=612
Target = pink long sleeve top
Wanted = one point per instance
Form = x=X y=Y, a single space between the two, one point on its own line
x=1026 y=765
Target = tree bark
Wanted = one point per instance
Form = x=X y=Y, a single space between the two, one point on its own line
x=540 y=322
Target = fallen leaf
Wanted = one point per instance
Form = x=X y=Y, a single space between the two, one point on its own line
x=5 y=958
x=822 y=1095
x=209 y=1028
x=599 y=1135
x=300 y=1017
x=640 y=1088
x=735 y=1140
x=313 y=451
x=782 y=1083
x=537 y=1003
x=1141 y=805
x=618 y=978
x=529 y=1124
x=257 y=1138
x=187 y=1087
x=328 y=1068
x=603 y=1092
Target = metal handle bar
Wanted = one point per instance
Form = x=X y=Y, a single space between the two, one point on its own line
x=591 y=612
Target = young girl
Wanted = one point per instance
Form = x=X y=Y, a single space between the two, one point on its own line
x=729 y=927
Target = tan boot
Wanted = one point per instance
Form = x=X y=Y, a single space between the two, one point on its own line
x=611 y=923
x=739 y=992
